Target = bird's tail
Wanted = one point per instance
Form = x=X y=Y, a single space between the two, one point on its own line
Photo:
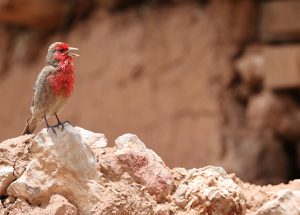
x=30 y=125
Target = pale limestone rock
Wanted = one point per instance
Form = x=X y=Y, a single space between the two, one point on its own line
x=94 y=140
x=6 y=177
x=210 y=188
x=286 y=202
x=65 y=165
x=144 y=165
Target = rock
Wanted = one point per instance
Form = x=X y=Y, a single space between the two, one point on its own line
x=286 y=202
x=109 y=163
x=280 y=20
x=59 y=205
x=63 y=177
x=261 y=134
x=96 y=141
x=261 y=109
x=165 y=210
x=281 y=66
x=277 y=66
x=1 y=208
x=211 y=190
x=6 y=177
x=144 y=165
x=250 y=65
x=8 y=201
x=257 y=196
x=21 y=207
x=124 y=197
x=15 y=153
x=64 y=164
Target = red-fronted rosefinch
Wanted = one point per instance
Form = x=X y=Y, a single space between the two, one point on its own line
x=53 y=86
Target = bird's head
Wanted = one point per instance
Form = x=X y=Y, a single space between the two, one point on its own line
x=58 y=52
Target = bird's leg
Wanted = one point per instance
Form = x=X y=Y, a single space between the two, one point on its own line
x=49 y=126
x=60 y=123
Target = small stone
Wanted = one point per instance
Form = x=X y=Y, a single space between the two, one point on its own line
x=6 y=178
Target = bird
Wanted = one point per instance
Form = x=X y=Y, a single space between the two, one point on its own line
x=53 y=87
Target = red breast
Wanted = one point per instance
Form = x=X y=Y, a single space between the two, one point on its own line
x=62 y=81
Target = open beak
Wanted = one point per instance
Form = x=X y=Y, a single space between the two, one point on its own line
x=71 y=53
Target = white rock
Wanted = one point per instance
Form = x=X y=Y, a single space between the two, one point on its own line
x=64 y=165
x=94 y=140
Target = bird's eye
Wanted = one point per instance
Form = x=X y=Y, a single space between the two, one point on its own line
x=61 y=50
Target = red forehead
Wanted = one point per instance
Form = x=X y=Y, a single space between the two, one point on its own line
x=62 y=46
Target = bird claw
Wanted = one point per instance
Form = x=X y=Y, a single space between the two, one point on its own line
x=62 y=124
x=52 y=128
x=59 y=123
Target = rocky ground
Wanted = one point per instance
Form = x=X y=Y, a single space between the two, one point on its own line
x=74 y=172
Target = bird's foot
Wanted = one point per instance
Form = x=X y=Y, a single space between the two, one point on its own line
x=62 y=124
x=52 y=128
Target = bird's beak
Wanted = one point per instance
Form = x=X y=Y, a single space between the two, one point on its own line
x=71 y=53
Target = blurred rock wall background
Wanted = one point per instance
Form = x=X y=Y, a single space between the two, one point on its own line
x=201 y=82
